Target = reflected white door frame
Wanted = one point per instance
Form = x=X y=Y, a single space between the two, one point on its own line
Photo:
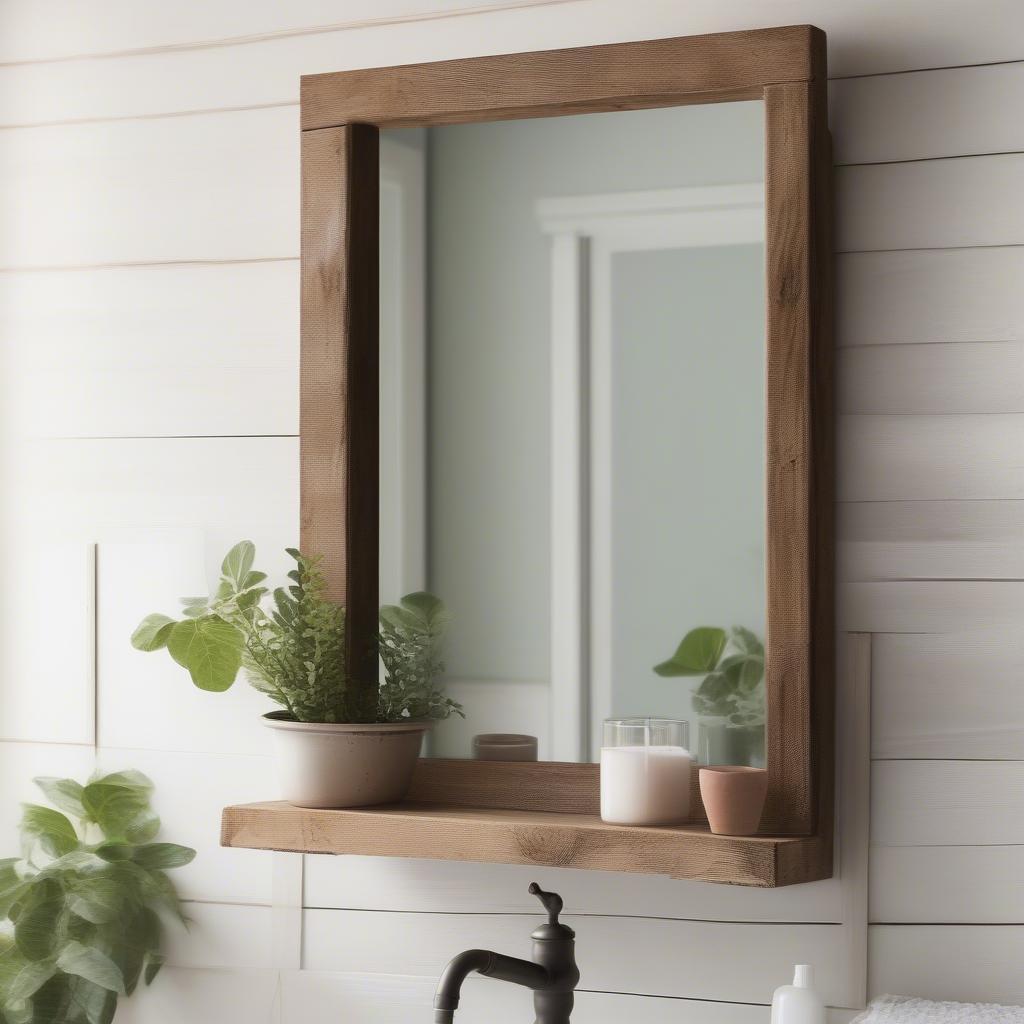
x=586 y=233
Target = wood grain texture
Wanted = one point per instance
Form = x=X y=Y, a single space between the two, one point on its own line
x=545 y=83
x=525 y=837
x=339 y=404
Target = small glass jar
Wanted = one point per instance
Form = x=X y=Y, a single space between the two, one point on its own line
x=645 y=771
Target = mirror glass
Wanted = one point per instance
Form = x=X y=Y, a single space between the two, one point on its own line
x=573 y=422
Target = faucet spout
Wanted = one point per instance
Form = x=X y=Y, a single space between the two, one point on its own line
x=490 y=965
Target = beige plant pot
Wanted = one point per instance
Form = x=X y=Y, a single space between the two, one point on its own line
x=344 y=765
x=733 y=797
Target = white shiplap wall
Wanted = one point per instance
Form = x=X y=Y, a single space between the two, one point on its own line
x=148 y=314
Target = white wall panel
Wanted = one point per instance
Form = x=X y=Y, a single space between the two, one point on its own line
x=870 y=37
x=929 y=296
x=153 y=350
x=955 y=696
x=896 y=458
x=929 y=607
x=426 y=886
x=47 y=658
x=221 y=936
x=210 y=187
x=421 y=944
x=947 y=803
x=893 y=206
x=921 y=540
x=941 y=113
x=985 y=377
x=206 y=997
x=969 y=963
x=947 y=884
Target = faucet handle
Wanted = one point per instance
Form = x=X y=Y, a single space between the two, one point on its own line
x=551 y=900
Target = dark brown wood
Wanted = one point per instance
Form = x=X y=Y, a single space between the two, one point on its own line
x=339 y=381
x=547 y=83
x=341 y=113
x=499 y=836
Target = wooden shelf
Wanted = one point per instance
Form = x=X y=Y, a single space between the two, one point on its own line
x=510 y=836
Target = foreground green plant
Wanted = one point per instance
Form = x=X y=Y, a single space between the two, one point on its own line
x=295 y=651
x=732 y=664
x=85 y=903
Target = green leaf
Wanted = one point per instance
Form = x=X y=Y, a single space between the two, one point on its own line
x=163 y=855
x=747 y=641
x=115 y=808
x=697 y=654
x=238 y=561
x=428 y=609
x=211 y=650
x=253 y=579
x=250 y=598
x=128 y=779
x=63 y=793
x=97 y=1003
x=153 y=964
x=752 y=674
x=32 y=977
x=50 y=828
x=91 y=964
x=36 y=928
x=115 y=852
x=97 y=899
x=151 y=634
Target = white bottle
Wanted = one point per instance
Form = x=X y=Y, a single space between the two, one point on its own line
x=798 y=1003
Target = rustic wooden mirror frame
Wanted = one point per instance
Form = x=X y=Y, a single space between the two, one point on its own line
x=556 y=803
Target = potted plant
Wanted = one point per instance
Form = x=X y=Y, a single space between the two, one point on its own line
x=730 y=698
x=85 y=902
x=340 y=742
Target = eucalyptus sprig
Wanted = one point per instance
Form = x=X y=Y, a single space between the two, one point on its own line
x=86 y=902
x=732 y=664
x=292 y=645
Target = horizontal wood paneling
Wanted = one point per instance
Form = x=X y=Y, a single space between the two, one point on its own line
x=942 y=113
x=947 y=884
x=314 y=997
x=956 y=696
x=868 y=38
x=922 y=540
x=984 y=377
x=421 y=944
x=428 y=886
x=929 y=607
x=62 y=29
x=223 y=996
x=898 y=458
x=966 y=963
x=142 y=191
x=947 y=803
x=923 y=296
x=893 y=206
x=153 y=350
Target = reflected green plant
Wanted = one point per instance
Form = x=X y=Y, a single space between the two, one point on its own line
x=732 y=664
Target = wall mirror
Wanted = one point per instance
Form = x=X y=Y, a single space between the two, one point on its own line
x=566 y=364
x=585 y=480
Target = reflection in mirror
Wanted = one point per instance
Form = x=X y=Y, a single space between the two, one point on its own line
x=573 y=422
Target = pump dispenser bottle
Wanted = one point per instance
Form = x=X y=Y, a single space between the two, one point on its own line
x=798 y=1003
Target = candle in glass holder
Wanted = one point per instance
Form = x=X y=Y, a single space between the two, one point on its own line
x=645 y=771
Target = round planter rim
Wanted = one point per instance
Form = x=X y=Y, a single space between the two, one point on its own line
x=377 y=728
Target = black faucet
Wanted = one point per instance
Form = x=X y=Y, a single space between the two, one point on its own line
x=552 y=974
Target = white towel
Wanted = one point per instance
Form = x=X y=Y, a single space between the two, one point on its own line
x=897 y=1010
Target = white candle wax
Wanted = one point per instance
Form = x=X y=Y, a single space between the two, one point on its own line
x=645 y=785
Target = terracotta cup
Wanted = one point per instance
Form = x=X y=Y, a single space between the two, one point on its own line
x=733 y=797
